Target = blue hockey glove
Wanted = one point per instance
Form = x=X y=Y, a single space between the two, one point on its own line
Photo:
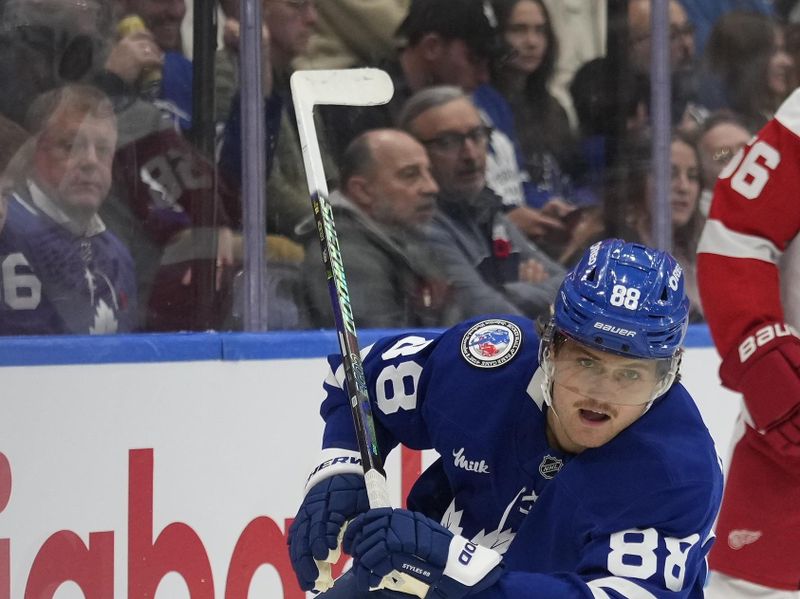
x=386 y=540
x=314 y=535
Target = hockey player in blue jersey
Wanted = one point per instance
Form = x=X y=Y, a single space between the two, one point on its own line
x=62 y=270
x=572 y=466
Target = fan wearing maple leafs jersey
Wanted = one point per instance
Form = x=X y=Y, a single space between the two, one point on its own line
x=571 y=466
x=749 y=278
x=61 y=270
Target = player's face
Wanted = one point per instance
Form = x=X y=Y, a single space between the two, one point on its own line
x=290 y=24
x=526 y=33
x=685 y=183
x=596 y=395
x=163 y=18
x=401 y=187
x=459 y=168
x=73 y=160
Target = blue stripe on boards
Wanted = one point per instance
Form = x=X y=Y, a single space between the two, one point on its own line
x=188 y=347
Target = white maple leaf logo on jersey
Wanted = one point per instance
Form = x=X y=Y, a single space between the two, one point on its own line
x=452 y=519
x=496 y=539
x=105 y=320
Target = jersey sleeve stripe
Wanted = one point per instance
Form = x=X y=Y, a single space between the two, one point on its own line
x=622 y=586
x=719 y=239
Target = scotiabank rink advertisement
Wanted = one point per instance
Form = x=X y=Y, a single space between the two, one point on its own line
x=159 y=480
x=179 y=480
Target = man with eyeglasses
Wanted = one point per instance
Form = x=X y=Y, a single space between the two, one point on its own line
x=573 y=463
x=489 y=262
x=681 y=51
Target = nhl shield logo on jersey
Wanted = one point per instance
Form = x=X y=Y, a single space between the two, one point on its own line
x=550 y=466
x=491 y=343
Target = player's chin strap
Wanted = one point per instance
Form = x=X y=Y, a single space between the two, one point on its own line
x=547 y=364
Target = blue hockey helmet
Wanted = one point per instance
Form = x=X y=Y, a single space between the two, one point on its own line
x=625 y=298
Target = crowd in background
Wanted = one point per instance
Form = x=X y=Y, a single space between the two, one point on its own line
x=518 y=135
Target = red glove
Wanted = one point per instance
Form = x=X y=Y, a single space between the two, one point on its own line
x=765 y=368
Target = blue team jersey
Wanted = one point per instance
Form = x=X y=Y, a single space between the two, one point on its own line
x=54 y=281
x=632 y=518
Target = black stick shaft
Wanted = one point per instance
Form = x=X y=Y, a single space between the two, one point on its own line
x=348 y=344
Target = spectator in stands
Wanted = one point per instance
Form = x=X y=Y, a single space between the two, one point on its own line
x=682 y=57
x=350 y=33
x=64 y=272
x=489 y=262
x=165 y=203
x=681 y=36
x=610 y=114
x=441 y=42
x=704 y=15
x=386 y=199
x=226 y=64
x=722 y=135
x=289 y=25
x=541 y=122
x=163 y=19
x=580 y=28
x=629 y=204
x=542 y=126
x=749 y=70
x=451 y=42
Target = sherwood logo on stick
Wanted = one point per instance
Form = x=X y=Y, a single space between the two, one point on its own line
x=337 y=268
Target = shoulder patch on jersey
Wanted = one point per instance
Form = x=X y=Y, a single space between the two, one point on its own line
x=491 y=343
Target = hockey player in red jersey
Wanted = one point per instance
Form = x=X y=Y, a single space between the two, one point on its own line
x=749 y=277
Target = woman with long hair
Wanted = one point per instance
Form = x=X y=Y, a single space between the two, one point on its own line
x=542 y=125
x=629 y=205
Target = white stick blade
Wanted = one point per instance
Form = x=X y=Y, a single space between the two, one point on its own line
x=346 y=87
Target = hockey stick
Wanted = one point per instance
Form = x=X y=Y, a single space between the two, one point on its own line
x=345 y=87
x=351 y=87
